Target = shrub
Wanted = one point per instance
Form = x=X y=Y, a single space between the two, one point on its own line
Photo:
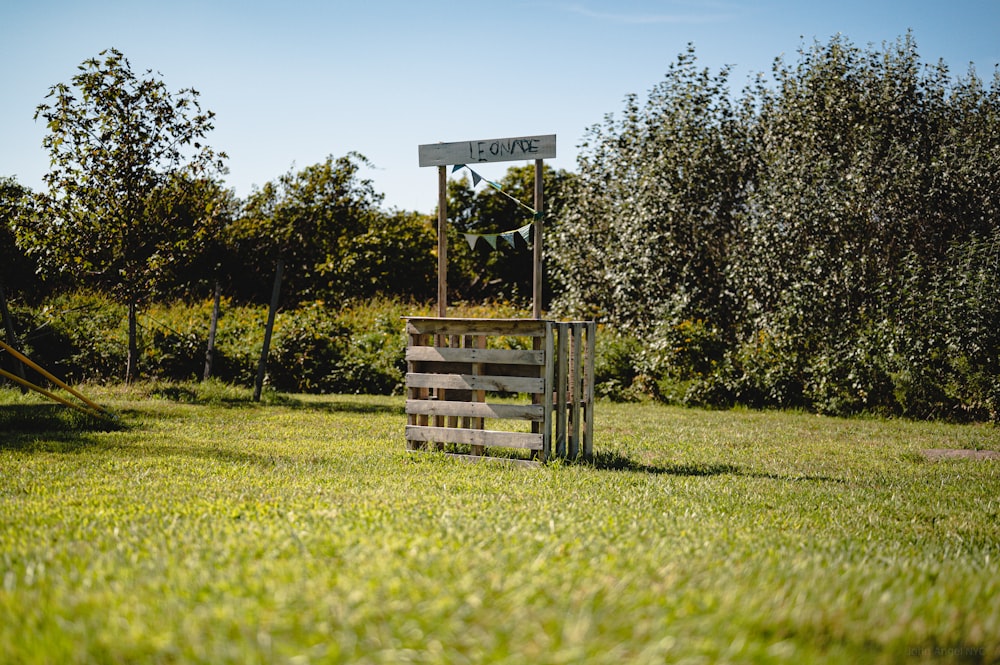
x=308 y=350
x=615 y=371
x=76 y=336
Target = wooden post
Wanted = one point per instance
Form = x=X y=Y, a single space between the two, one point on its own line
x=8 y=324
x=549 y=381
x=562 y=380
x=442 y=241
x=268 y=329
x=575 y=387
x=536 y=282
x=588 y=378
x=212 y=328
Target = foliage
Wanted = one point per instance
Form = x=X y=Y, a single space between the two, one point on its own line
x=122 y=149
x=77 y=336
x=316 y=348
x=833 y=234
x=654 y=206
x=504 y=272
x=213 y=529
x=945 y=361
x=324 y=222
x=615 y=371
x=17 y=270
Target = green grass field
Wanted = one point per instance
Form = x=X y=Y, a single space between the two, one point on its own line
x=212 y=530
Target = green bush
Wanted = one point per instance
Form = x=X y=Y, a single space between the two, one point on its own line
x=307 y=351
x=359 y=348
x=615 y=371
x=75 y=336
x=851 y=378
x=946 y=341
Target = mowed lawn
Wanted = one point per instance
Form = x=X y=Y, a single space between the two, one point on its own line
x=213 y=530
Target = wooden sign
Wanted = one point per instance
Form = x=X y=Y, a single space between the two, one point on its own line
x=488 y=150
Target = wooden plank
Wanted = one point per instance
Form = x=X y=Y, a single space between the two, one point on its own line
x=588 y=390
x=508 y=461
x=472 y=355
x=506 y=384
x=414 y=393
x=547 y=393
x=475 y=437
x=511 y=149
x=561 y=384
x=511 y=327
x=533 y=412
x=576 y=389
x=479 y=342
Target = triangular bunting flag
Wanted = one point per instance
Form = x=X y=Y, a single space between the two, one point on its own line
x=471 y=238
x=457 y=168
x=475 y=178
x=491 y=239
x=509 y=237
x=525 y=231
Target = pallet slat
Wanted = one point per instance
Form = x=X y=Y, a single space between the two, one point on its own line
x=532 y=412
x=475 y=437
x=513 y=327
x=507 y=384
x=472 y=355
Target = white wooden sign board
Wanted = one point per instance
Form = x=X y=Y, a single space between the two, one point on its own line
x=488 y=150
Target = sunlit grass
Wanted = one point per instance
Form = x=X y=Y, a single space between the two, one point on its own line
x=211 y=529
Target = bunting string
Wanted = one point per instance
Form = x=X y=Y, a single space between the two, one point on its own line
x=509 y=236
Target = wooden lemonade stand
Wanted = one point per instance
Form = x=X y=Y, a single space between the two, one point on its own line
x=478 y=384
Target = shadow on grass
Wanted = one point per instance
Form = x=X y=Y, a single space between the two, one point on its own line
x=231 y=397
x=611 y=461
x=45 y=428
x=340 y=406
x=50 y=428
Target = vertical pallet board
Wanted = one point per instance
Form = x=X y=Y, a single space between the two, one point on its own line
x=573 y=396
x=588 y=397
x=453 y=379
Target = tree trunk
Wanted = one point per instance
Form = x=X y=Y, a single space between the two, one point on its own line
x=212 y=327
x=8 y=324
x=262 y=365
x=133 y=346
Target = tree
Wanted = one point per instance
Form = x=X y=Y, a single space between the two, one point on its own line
x=17 y=270
x=867 y=163
x=325 y=224
x=117 y=143
x=645 y=234
x=205 y=257
x=827 y=241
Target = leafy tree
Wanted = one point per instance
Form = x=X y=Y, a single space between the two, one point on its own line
x=118 y=143
x=866 y=162
x=205 y=256
x=393 y=256
x=647 y=229
x=827 y=241
x=324 y=222
x=17 y=271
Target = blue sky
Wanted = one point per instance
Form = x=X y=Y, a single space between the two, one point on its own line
x=294 y=81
